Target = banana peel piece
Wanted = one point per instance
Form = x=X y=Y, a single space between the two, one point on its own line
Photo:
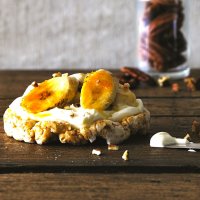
x=98 y=90
x=55 y=92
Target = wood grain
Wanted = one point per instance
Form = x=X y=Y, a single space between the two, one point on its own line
x=99 y=186
x=56 y=171
x=19 y=156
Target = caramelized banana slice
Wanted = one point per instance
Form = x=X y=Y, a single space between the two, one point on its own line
x=56 y=91
x=99 y=90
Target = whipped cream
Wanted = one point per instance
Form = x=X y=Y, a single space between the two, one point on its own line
x=163 y=139
x=77 y=116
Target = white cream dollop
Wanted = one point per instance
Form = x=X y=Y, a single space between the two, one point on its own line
x=125 y=111
x=162 y=139
x=77 y=116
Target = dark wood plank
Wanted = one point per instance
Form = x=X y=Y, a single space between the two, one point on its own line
x=19 y=156
x=99 y=186
x=13 y=84
x=4 y=105
x=156 y=106
x=173 y=106
x=150 y=92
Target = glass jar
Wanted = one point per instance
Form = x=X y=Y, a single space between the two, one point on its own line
x=162 y=37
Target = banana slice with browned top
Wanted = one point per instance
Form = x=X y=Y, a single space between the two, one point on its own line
x=98 y=90
x=56 y=91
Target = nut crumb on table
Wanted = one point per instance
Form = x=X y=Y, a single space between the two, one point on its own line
x=175 y=87
x=113 y=147
x=125 y=155
x=164 y=81
x=96 y=152
x=190 y=83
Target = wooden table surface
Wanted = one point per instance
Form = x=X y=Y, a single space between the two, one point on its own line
x=30 y=171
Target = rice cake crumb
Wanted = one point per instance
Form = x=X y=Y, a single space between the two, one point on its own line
x=125 y=155
x=96 y=152
x=113 y=147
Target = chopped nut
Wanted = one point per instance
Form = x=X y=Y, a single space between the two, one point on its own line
x=96 y=152
x=72 y=114
x=125 y=155
x=126 y=78
x=195 y=134
x=139 y=75
x=175 y=87
x=164 y=81
x=57 y=74
x=34 y=84
x=97 y=81
x=113 y=147
x=126 y=86
x=190 y=83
